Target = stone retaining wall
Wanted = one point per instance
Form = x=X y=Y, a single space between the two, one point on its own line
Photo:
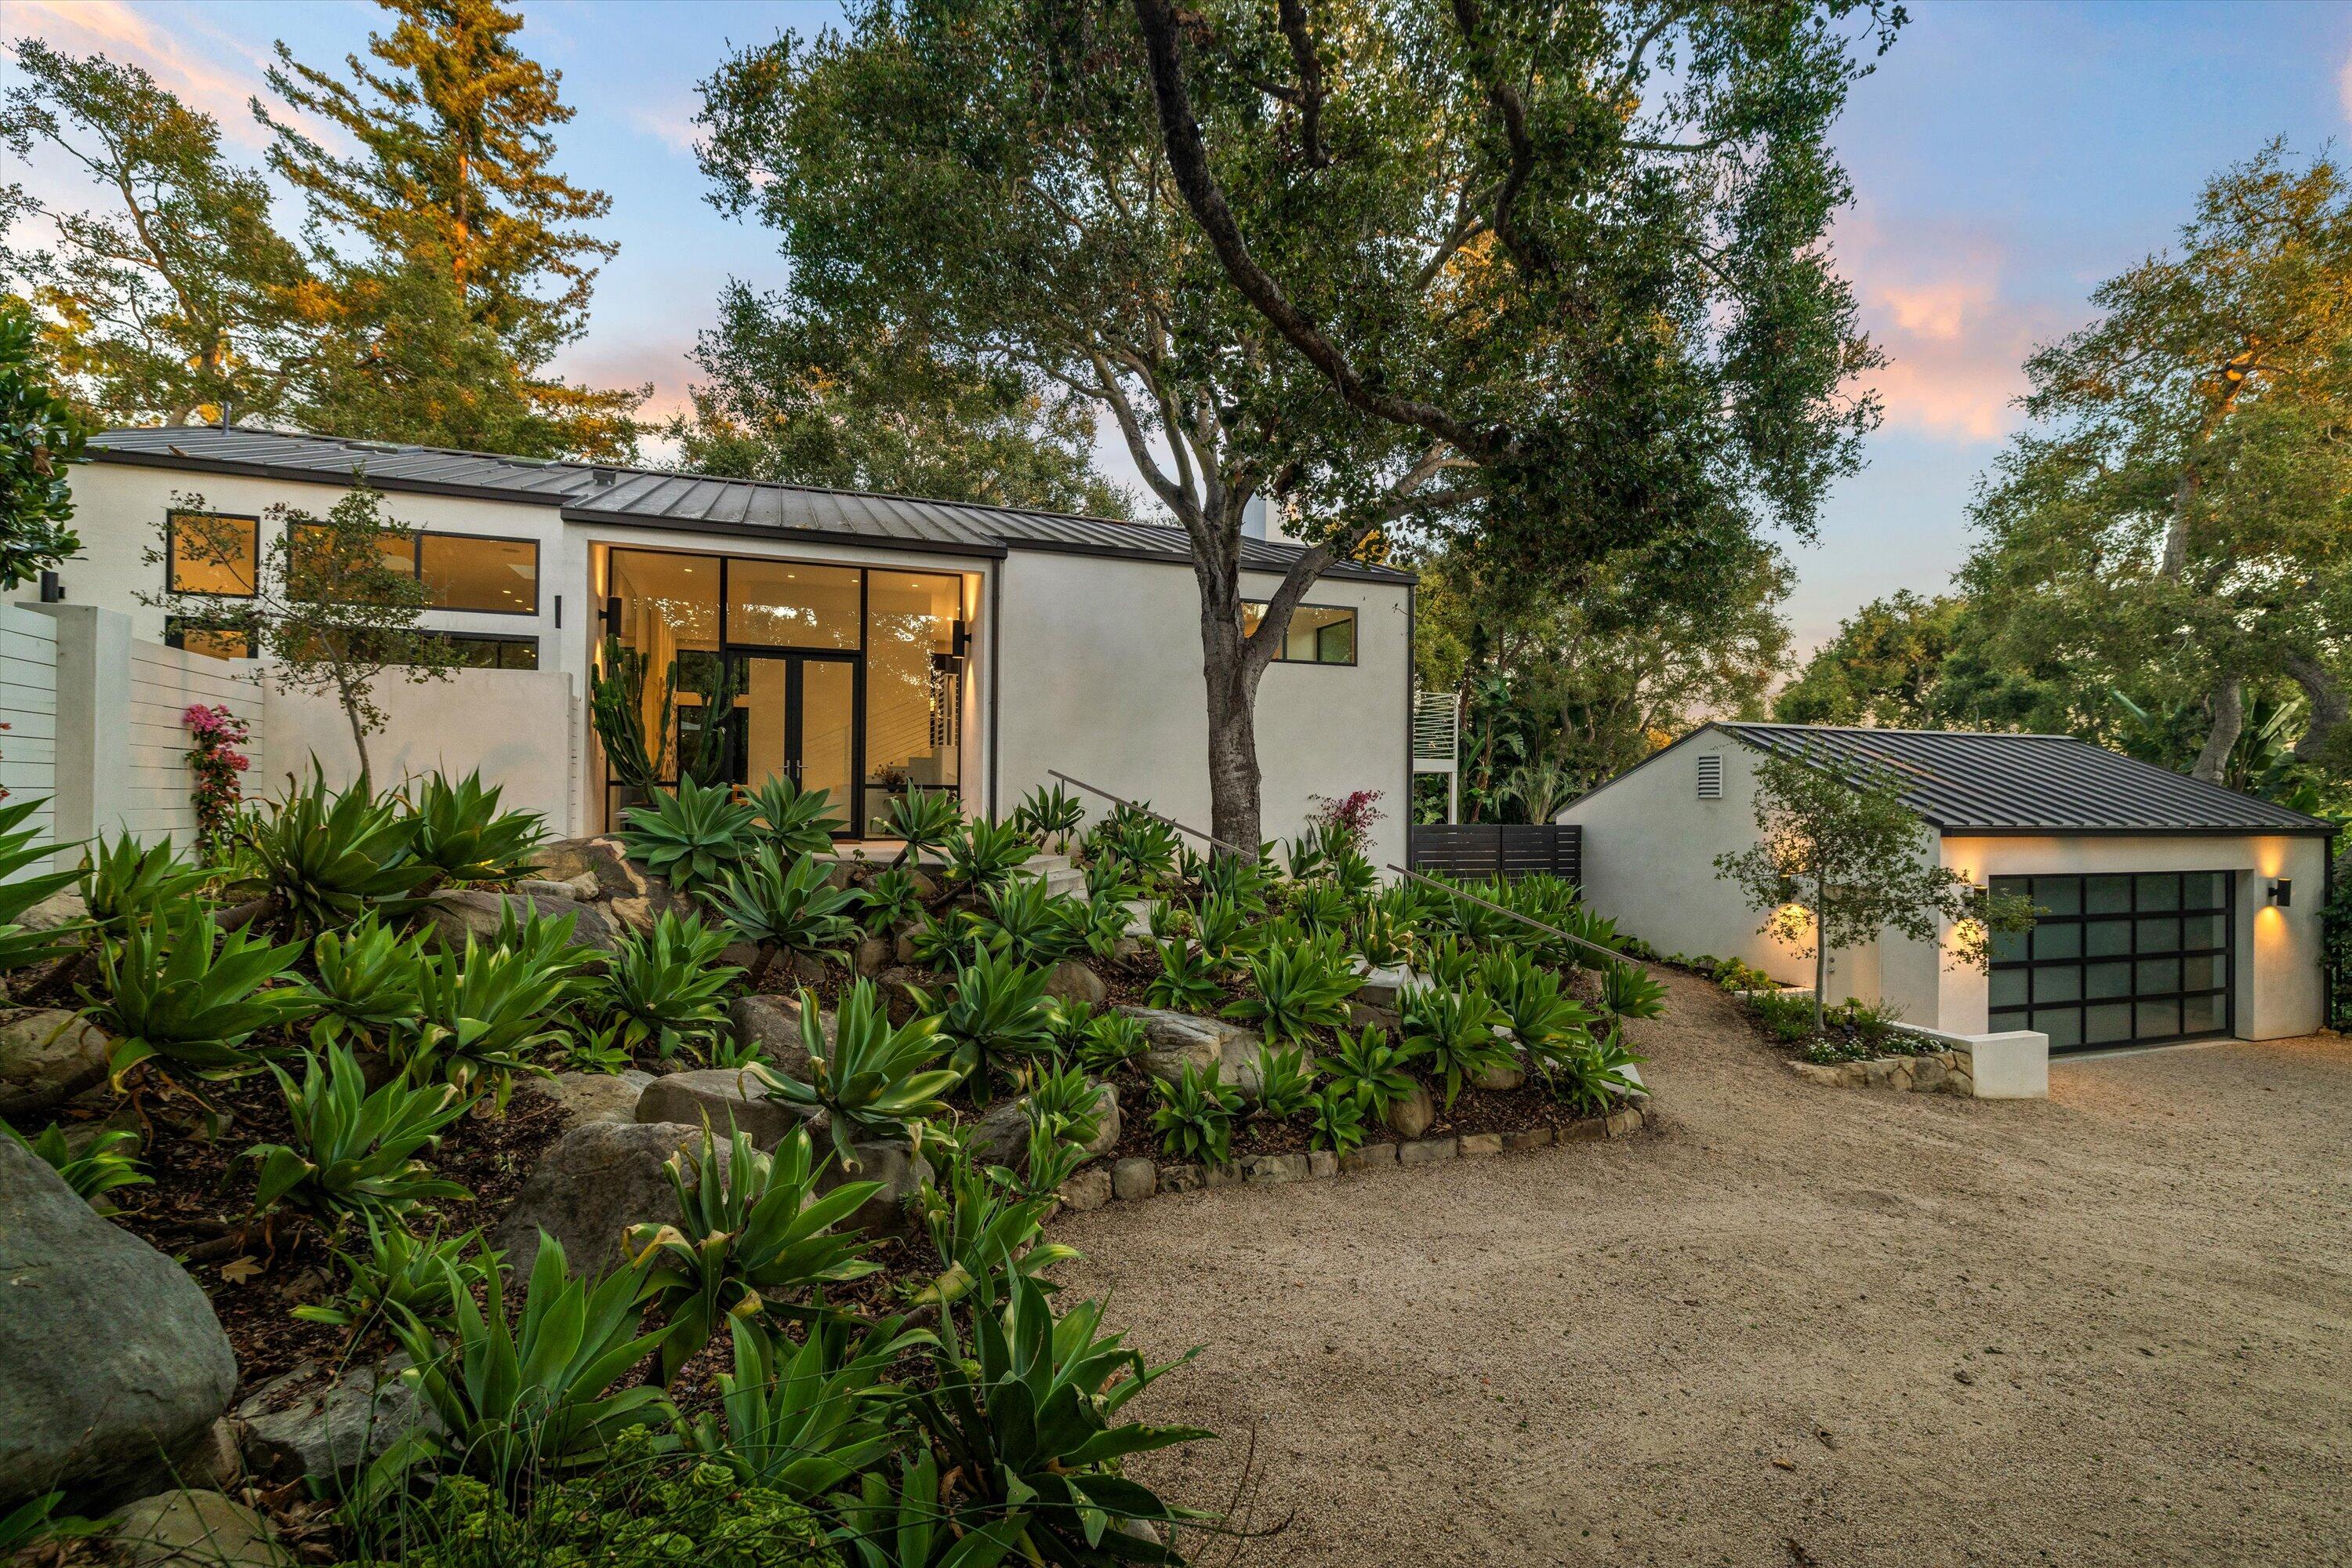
x=1136 y=1178
x=1938 y=1072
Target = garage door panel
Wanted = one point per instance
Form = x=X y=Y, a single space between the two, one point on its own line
x=2117 y=958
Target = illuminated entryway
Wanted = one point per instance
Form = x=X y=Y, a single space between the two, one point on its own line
x=845 y=679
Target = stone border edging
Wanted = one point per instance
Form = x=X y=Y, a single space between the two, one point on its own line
x=1136 y=1177
x=1937 y=1072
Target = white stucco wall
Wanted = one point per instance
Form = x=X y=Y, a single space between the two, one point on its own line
x=1102 y=680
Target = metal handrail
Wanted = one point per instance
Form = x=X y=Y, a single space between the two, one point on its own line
x=1614 y=956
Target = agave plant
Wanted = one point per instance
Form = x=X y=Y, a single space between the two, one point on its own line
x=983 y=1231
x=1112 y=1041
x=1195 y=1115
x=1052 y=815
x=513 y=1398
x=1371 y=1069
x=873 y=1081
x=324 y=859
x=984 y=855
x=1241 y=880
x=993 y=1013
x=1187 y=980
x=922 y=819
x=1301 y=988
x=464 y=837
x=1228 y=933
x=1336 y=1120
x=665 y=986
x=784 y=908
x=892 y=898
x=1025 y=922
x=398 y=1275
x=107 y=1161
x=1285 y=1081
x=752 y=1230
x=1131 y=833
x=178 y=990
x=1540 y=1014
x=484 y=1014
x=691 y=835
x=795 y=821
x=896 y=1522
x=21 y=849
x=367 y=983
x=1627 y=991
x=803 y=1423
x=1323 y=908
x=1456 y=1029
x=1112 y=880
x=1591 y=1074
x=124 y=883
x=355 y=1151
x=1023 y=1419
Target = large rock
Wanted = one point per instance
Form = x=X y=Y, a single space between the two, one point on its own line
x=307 y=1422
x=1409 y=1116
x=590 y=1187
x=48 y=1057
x=598 y=860
x=901 y=1175
x=65 y=906
x=730 y=1100
x=592 y=1096
x=1071 y=981
x=1174 y=1041
x=773 y=1025
x=579 y=890
x=477 y=911
x=197 y=1530
x=1002 y=1136
x=1381 y=984
x=874 y=955
x=895 y=985
x=112 y=1367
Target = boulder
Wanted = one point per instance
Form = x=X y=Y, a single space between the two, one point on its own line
x=579 y=890
x=459 y=912
x=1362 y=1014
x=310 y=1422
x=1001 y=1137
x=1502 y=1080
x=112 y=1367
x=1174 y=1041
x=1381 y=984
x=601 y=861
x=897 y=1000
x=902 y=1175
x=1087 y=1189
x=1071 y=981
x=773 y=1025
x=730 y=1100
x=1134 y=1179
x=590 y=1187
x=197 y=1530
x=902 y=947
x=47 y=1056
x=874 y=955
x=592 y=1096
x=1410 y=1117
x=65 y=906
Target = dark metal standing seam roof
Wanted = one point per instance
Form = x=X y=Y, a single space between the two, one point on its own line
x=643 y=497
x=1967 y=782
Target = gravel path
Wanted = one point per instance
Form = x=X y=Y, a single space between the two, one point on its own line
x=1794 y=1326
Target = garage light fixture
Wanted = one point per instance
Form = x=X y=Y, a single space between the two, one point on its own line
x=2282 y=892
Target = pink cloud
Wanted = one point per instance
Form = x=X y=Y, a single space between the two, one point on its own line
x=122 y=34
x=2344 y=86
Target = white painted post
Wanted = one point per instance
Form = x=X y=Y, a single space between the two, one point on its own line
x=93 y=740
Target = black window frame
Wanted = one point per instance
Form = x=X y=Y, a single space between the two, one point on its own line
x=177 y=628
x=2023 y=1016
x=501 y=639
x=1355 y=640
x=172 y=517
x=424 y=533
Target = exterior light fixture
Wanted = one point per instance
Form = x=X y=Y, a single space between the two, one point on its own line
x=52 y=591
x=2282 y=892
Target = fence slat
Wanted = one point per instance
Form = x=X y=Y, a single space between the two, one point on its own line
x=1508 y=849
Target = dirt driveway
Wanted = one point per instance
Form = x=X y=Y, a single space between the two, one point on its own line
x=1796 y=1326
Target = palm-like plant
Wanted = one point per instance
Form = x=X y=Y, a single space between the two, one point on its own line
x=805 y=1422
x=483 y=1014
x=109 y=1161
x=922 y=819
x=785 y=908
x=1337 y=1120
x=665 y=985
x=1540 y=1013
x=178 y=989
x=1228 y=932
x=873 y=1081
x=126 y=883
x=692 y=834
x=1301 y=987
x=1285 y=1081
x=892 y=898
x=353 y=1151
x=464 y=837
x=1591 y=1074
x=1195 y=1115
x=1026 y=922
x=1112 y=1042
x=984 y=855
x=1148 y=846
x=982 y=1230
x=750 y=1231
x=795 y=821
x=1627 y=991
x=21 y=887
x=1376 y=1072
x=324 y=859
x=1187 y=980
x=1456 y=1029
x=1050 y=814
x=995 y=1010
x=368 y=980
x=398 y=1275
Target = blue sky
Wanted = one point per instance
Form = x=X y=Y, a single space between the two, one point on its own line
x=2005 y=157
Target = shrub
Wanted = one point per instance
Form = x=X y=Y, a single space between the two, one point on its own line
x=922 y=819
x=1195 y=1116
x=748 y=1232
x=1239 y=879
x=873 y=1081
x=1149 y=847
x=995 y=1010
x=982 y=1230
x=800 y=1420
x=1590 y=1076
x=462 y=834
x=400 y=1276
x=795 y=821
x=1187 y=980
x=1323 y=910
x=1627 y=991
x=1384 y=931
x=324 y=858
x=1068 y=1102
x=1455 y=1030
x=109 y=1161
x=985 y=855
x=1372 y=1069
x=1540 y=1015
x=1112 y=1041
x=367 y=984
x=125 y=883
x=1227 y=933
x=785 y=908
x=692 y=834
x=22 y=850
x=1451 y=964
x=1023 y=922
x=1050 y=1156
x=1787 y=1014
x=1285 y=1081
x=1054 y=815
x=1337 y=1120
x=891 y=900
x=484 y=1013
x=1112 y=880
x=179 y=990
x=1301 y=987
x=355 y=1151
x=665 y=985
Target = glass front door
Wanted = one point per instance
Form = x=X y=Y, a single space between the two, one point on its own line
x=797 y=717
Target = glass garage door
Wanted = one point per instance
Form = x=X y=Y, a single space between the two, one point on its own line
x=2120 y=959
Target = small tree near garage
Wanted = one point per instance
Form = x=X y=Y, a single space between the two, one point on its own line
x=333 y=603
x=1840 y=858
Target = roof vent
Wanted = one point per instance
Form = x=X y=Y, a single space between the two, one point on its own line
x=603 y=476
x=1710 y=775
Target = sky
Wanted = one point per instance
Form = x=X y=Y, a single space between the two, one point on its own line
x=2005 y=156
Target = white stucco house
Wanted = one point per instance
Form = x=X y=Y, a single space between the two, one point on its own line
x=2169 y=909
x=882 y=642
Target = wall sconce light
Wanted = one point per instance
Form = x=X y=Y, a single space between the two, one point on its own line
x=612 y=616
x=2282 y=892
x=959 y=636
x=52 y=591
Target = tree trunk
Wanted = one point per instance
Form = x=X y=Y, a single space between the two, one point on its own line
x=358 y=729
x=2329 y=710
x=2228 y=707
x=1234 y=776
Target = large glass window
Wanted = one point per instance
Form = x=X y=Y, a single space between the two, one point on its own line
x=213 y=642
x=2117 y=960
x=912 y=722
x=1319 y=634
x=493 y=653
x=782 y=603
x=466 y=571
x=212 y=554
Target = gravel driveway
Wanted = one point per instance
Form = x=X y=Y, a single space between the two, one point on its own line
x=1794 y=1326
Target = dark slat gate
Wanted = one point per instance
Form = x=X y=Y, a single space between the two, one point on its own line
x=1487 y=849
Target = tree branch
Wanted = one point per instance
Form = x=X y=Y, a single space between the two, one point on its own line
x=1511 y=108
x=1310 y=83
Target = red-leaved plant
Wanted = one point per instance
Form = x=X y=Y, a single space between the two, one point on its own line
x=1352 y=814
x=216 y=762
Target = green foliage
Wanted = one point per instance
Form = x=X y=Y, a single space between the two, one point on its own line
x=751 y=1234
x=1627 y=991
x=616 y=710
x=21 y=849
x=111 y=1160
x=179 y=990
x=126 y=883
x=463 y=835
x=1337 y=1120
x=40 y=438
x=994 y=1013
x=785 y=908
x=922 y=819
x=400 y=1276
x=1590 y=1075
x=794 y=820
x=1537 y=1012
x=1323 y=908
x=1228 y=932
x=665 y=987
x=1023 y=922
x=1112 y=880
x=800 y=1420
x=1373 y=1068
x=983 y=856
x=901 y=1525
x=369 y=980
x=486 y=1013
x=1246 y=884
x=892 y=898
x=1187 y=980
x=355 y=1152
x=873 y=1081
x=982 y=1230
x=692 y=834
x=1133 y=836
x=36 y=1521
x=1112 y=1041
x=1195 y=1115
x=1053 y=813
x=1301 y=988
x=1286 y=1080
x=1455 y=1030
x=1450 y=963
x=325 y=858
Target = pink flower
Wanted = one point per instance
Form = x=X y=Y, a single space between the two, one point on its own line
x=238 y=761
x=204 y=720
